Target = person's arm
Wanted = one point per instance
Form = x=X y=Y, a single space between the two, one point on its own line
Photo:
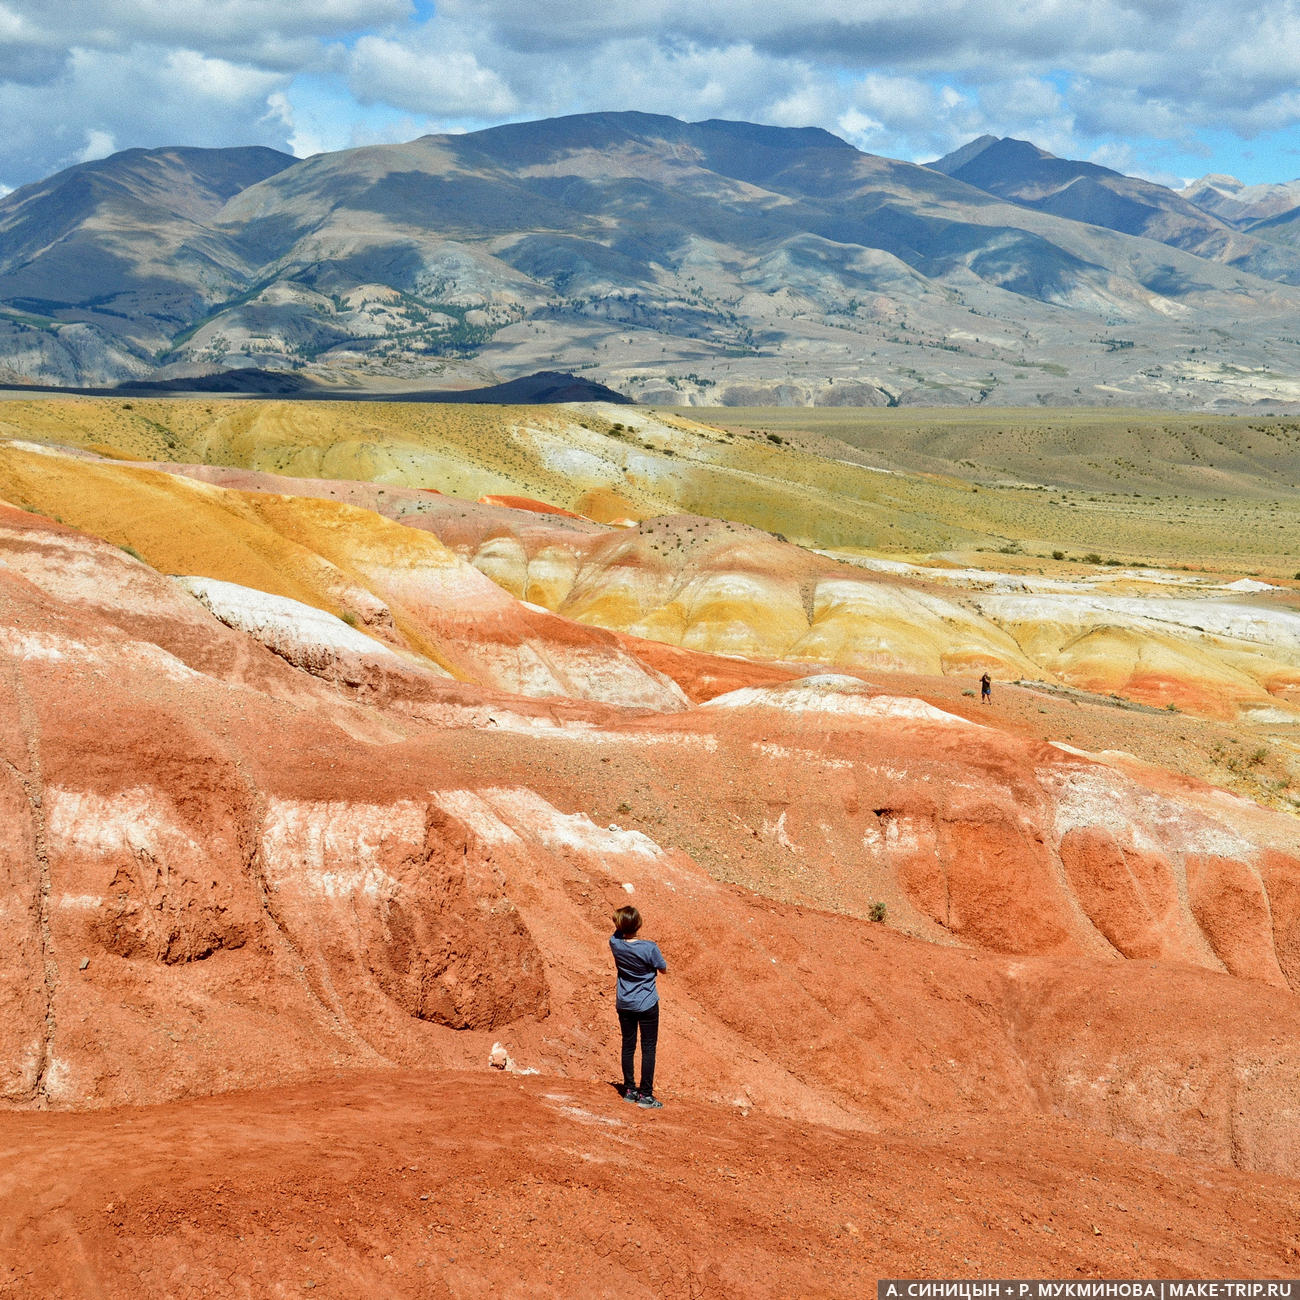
x=661 y=966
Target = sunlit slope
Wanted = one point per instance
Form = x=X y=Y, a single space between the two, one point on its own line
x=401 y=586
x=900 y=486
x=701 y=586
x=269 y=879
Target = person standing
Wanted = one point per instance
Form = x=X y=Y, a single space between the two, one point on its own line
x=986 y=690
x=636 y=999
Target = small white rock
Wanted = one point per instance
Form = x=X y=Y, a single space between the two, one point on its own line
x=628 y=887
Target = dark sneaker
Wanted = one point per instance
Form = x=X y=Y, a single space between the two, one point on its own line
x=648 y=1102
x=631 y=1094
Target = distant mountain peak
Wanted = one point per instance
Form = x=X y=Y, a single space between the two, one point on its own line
x=602 y=130
x=951 y=162
x=787 y=137
x=1216 y=181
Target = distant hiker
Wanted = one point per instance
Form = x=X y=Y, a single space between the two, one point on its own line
x=986 y=690
x=639 y=961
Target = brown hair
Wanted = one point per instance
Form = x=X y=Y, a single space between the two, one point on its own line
x=627 y=920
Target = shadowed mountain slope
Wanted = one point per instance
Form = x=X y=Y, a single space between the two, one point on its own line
x=138 y=220
x=1283 y=228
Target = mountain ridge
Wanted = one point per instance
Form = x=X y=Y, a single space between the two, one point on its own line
x=682 y=262
x=1083 y=191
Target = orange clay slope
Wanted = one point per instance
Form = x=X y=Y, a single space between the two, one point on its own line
x=452 y=1184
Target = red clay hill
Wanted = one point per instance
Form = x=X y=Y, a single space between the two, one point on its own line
x=273 y=898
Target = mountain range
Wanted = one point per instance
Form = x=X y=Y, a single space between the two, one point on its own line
x=718 y=263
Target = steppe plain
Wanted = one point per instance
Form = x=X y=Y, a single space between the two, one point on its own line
x=338 y=730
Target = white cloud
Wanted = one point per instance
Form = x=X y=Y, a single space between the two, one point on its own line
x=186 y=72
x=857 y=128
x=910 y=77
x=15 y=27
x=99 y=144
x=447 y=83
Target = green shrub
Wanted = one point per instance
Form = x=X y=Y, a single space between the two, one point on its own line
x=878 y=911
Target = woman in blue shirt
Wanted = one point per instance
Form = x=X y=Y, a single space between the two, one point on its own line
x=638 y=961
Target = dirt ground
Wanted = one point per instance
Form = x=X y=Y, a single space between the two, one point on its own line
x=451 y=1184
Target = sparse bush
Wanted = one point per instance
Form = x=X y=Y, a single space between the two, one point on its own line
x=1058 y=555
x=134 y=554
x=349 y=618
x=1258 y=756
x=878 y=911
x=1092 y=558
x=624 y=808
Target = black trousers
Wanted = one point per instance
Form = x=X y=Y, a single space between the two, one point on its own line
x=648 y=1023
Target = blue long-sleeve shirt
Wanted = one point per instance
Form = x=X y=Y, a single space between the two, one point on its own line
x=638 y=963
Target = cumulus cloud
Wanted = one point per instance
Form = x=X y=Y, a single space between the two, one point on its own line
x=441 y=83
x=99 y=144
x=1193 y=63
x=1133 y=79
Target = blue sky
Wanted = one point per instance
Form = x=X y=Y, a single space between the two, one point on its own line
x=1168 y=89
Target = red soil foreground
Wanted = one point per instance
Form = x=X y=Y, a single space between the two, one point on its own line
x=440 y=1185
